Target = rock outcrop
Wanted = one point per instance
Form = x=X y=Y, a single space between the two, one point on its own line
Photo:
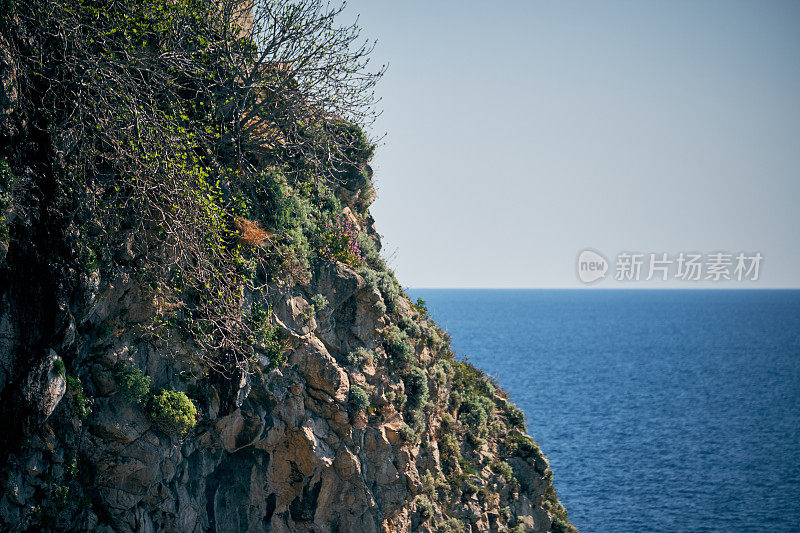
x=361 y=420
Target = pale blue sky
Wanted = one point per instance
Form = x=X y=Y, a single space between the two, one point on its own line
x=520 y=133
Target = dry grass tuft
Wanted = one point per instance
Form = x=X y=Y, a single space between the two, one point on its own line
x=250 y=232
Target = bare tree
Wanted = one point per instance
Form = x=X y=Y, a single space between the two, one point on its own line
x=301 y=74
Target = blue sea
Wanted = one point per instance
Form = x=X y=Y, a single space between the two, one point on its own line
x=660 y=410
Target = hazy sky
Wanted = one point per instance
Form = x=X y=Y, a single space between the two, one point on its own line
x=520 y=133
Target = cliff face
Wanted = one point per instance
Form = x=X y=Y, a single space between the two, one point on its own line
x=350 y=412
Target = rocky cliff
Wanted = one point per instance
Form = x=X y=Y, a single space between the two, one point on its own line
x=281 y=381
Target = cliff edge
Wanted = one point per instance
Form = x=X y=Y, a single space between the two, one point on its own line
x=197 y=330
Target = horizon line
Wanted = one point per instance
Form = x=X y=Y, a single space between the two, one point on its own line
x=648 y=288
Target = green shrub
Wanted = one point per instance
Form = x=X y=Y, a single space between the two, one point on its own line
x=173 y=411
x=416 y=386
x=277 y=208
x=134 y=386
x=475 y=412
x=62 y=495
x=58 y=367
x=470 y=380
x=370 y=254
x=7 y=180
x=370 y=277
x=559 y=525
x=267 y=338
x=444 y=372
x=410 y=327
x=416 y=420
x=429 y=484
x=398 y=346
x=424 y=506
x=319 y=302
x=505 y=470
x=87 y=258
x=407 y=434
x=434 y=337
x=449 y=447
x=340 y=242
x=83 y=404
x=451 y=525
x=523 y=445
x=359 y=398
x=390 y=290
x=515 y=415
x=449 y=424
x=359 y=357
x=420 y=309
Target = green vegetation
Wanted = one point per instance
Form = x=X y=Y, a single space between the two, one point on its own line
x=420 y=310
x=370 y=253
x=62 y=495
x=410 y=326
x=560 y=522
x=240 y=166
x=474 y=412
x=505 y=470
x=83 y=404
x=515 y=415
x=523 y=445
x=398 y=346
x=223 y=161
x=319 y=302
x=451 y=525
x=173 y=411
x=424 y=506
x=359 y=357
x=435 y=338
x=359 y=398
x=267 y=338
x=443 y=371
x=340 y=242
x=134 y=386
x=58 y=367
x=407 y=434
x=416 y=385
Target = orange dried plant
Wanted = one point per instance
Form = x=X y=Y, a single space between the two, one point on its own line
x=250 y=232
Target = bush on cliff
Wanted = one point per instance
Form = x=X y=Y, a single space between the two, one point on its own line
x=416 y=385
x=132 y=384
x=173 y=411
x=359 y=398
x=398 y=346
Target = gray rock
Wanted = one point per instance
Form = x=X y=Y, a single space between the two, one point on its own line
x=320 y=369
x=45 y=386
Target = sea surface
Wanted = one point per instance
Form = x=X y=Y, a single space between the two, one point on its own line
x=659 y=410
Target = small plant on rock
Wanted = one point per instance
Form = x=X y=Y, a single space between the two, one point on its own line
x=359 y=357
x=134 y=386
x=399 y=347
x=173 y=411
x=340 y=242
x=58 y=367
x=83 y=404
x=359 y=398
